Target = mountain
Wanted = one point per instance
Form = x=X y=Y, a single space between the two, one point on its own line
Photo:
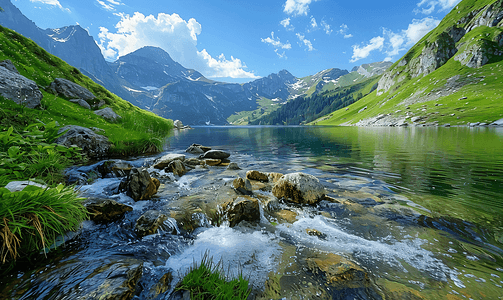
x=451 y=76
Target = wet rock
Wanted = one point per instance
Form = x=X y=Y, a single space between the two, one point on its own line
x=178 y=124
x=244 y=208
x=177 y=168
x=317 y=233
x=19 y=89
x=286 y=216
x=194 y=150
x=107 y=278
x=243 y=186
x=215 y=154
x=92 y=144
x=204 y=148
x=82 y=103
x=162 y=286
x=212 y=162
x=233 y=166
x=339 y=272
x=165 y=160
x=194 y=162
x=70 y=90
x=274 y=177
x=299 y=188
x=17 y=186
x=149 y=222
x=117 y=168
x=105 y=210
x=139 y=185
x=258 y=176
x=108 y=114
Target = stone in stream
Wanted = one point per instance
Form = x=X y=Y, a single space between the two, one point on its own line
x=299 y=188
x=212 y=162
x=233 y=166
x=105 y=210
x=194 y=150
x=244 y=208
x=139 y=185
x=242 y=186
x=165 y=160
x=149 y=222
x=204 y=148
x=215 y=154
x=274 y=177
x=177 y=168
x=257 y=175
x=116 y=168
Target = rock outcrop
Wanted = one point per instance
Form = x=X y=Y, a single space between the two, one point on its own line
x=70 y=90
x=299 y=188
x=92 y=144
x=18 y=88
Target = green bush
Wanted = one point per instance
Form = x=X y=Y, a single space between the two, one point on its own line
x=32 y=219
x=207 y=282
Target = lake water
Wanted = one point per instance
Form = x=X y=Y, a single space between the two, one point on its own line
x=419 y=210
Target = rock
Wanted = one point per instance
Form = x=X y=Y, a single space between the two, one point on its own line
x=474 y=124
x=215 y=154
x=314 y=232
x=81 y=102
x=149 y=222
x=105 y=278
x=299 y=188
x=178 y=124
x=139 y=185
x=162 y=286
x=105 y=210
x=19 y=89
x=204 y=148
x=177 y=168
x=92 y=144
x=194 y=150
x=17 y=186
x=338 y=271
x=233 y=166
x=212 y=162
x=70 y=90
x=117 y=168
x=9 y=65
x=98 y=104
x=165 y=160
x=287 y=216
x=194 y=162
x=362 y=109
x=274 y=177
x=497 y=123
x=244 y=208
x=242 y=186
x=108 y=114
x=258 y=176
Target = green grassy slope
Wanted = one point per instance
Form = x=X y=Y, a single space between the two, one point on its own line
x=452 y=93
x=137 y=131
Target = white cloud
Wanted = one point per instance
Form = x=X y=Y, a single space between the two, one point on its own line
x=52 y=3
x=173 y=34
x=431 y=5
x=109 y=4
x=276 y=43
x=281 y=55
x=406 y=38
x=343 y=29
x=347 y=36
x=297 y=7
x=286 y=23
x=314 y=24
x=305 y=41
x=326 y=27
x=363 y=52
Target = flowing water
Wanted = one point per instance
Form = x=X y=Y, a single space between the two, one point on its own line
x=419 y=210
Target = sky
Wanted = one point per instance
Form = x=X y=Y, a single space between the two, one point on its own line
x=240 y=41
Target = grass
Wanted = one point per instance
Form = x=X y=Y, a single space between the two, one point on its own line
x=265 y=107
x=205 y=281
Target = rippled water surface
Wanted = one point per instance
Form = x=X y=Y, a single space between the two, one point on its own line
x=419 y=210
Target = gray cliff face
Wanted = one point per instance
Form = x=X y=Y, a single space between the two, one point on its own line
x=272 y=86
x=473 y=53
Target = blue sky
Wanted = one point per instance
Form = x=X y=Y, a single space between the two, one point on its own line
x=238 y=41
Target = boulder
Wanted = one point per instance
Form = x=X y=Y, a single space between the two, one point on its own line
x=178 y=124
x=108 y=114
x=497 y=123
x=17 y=186
x=70 y=90
x=177 y=168
x=257 y=176
x=92 y=144
x=204 y=148
x=81 y=102
x=299 y=188
x=9 y=65
x=212 y=162
x=149 y=222
x=194 y=162
x=19 y=89
x=116 y=168
x=242 y=186
x=274 y=177
x=139 y=185
x=233 y=166
x=244 y=208
x=194 y=150
x=165 y=160
x=215 y=154
x=98 y=104
x=105 y=210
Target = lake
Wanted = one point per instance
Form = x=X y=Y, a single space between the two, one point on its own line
x=417 y=213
